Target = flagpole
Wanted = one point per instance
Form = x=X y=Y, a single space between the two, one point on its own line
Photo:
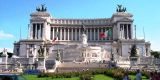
x=144 y=33
x=20 y=33
x=28 y=35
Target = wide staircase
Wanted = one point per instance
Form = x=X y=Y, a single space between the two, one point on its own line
x=73 y=66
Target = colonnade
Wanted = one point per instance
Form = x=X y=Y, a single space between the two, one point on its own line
x=125 y=31
x=74 y=33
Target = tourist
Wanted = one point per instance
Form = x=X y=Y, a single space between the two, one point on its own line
x=151 y=76
x=156 y=77
x=126 y=77
x=138 y=75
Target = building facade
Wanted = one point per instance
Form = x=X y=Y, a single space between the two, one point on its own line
x=64 y=36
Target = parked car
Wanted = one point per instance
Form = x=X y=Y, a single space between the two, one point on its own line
x=11 y=77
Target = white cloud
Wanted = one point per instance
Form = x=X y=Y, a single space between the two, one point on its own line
x=8 y=49
x=4 y=35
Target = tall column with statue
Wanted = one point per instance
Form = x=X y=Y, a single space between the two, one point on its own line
x=83 y=36
x=84 y=43
x=134 y=56
x=41 y=58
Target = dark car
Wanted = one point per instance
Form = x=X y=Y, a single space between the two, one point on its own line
x=11 y=77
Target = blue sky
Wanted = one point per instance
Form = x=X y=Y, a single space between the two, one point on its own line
x=16 y=13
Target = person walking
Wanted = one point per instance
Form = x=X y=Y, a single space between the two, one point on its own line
x=126 y=77
x=138 y=75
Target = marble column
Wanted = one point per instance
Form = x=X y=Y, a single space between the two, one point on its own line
x=127 y=31
x=90 y=31
x=53 y=33
x=76 y=34
x=72 y=34
x=98 y=33
x=64 y=33
x=60 y=33
x=43 y=31
x=101 y=31
x=107 y=37
x=79 y=33
x=35 y=31
x=39 y=32
x=131 y=28
x=68 y=34
x=88 y=34
x=94 y=34
x=123 y=32
x=119 y=31
x=31 y=33
x=27 y=46
x=35 y=51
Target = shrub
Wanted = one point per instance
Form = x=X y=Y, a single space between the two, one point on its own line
x=132 y=72
x=86 y=77
x=42 y=75
x=146 y=74
x=118 y=75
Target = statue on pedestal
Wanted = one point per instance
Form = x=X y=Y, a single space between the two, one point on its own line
x=83 y=29
x=42 y=8
x=121 y=9
x=41 y=52
x=84 y=39
x=41 y=59
x=83 y=36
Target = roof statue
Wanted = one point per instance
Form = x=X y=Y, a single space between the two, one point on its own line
x=121 y=9
x=42 y=8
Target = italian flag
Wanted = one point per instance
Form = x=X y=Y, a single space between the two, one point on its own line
x=105 y=34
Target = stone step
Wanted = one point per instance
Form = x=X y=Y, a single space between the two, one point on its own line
x=80 y=65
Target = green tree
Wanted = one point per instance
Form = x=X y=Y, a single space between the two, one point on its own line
x=8 y=53
x=156 y=54
x=1 y=53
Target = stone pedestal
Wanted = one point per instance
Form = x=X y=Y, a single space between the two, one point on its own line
x=5 y=61
x=134 y=61
x=41 y=64
x=31 y=62
x=4 y=57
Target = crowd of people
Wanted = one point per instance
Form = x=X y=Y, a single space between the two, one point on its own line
x=152 y=76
